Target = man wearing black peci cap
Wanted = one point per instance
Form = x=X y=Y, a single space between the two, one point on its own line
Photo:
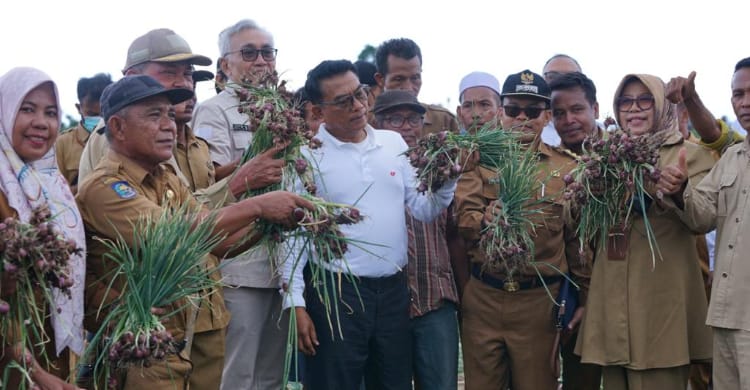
x=132 y=181
x=508 y=333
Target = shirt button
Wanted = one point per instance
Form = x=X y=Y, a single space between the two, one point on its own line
x=731 y=246
x=724 y=275
x=737 y=220
x=744 y=191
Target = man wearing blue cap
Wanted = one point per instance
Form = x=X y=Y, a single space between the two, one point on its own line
x=131 y=182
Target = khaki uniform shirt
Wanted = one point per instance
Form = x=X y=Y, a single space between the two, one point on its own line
x=217 y=195
x=68 y=149
x=194 y=161
x=555 y=241
x=720 y=201
x=645 y=315
x=108 y=211
x=228 y=134
x=437 y=119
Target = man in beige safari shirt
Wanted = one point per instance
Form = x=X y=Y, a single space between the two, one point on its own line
x=721 y=200
x=251 y=294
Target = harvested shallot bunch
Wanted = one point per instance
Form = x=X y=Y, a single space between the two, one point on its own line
x=611 y=181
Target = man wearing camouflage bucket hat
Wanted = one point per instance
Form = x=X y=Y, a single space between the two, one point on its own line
x=161 y=54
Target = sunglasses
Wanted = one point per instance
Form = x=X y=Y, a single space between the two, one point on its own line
x=347 y=102
x=250 y=54
x=531 y=112
x=643 y=102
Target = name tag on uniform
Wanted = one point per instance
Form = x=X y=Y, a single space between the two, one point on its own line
x=239 y=127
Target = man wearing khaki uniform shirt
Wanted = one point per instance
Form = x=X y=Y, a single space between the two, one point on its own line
x=69 y=145
x=508 y=336
x=132 y=182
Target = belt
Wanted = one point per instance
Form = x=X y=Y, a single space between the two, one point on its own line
x=512 y=285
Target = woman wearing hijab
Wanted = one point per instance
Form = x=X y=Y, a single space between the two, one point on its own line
x=29 y=178
x=645 y=320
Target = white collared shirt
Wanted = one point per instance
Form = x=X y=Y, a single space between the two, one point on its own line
x=377 y=179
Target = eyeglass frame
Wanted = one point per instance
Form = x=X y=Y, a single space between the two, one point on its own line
x=346 y=103
x=255 y=52
x=418 y=120
x=524 y=110
x=637 y=101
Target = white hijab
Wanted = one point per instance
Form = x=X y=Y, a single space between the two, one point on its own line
x=30 y=184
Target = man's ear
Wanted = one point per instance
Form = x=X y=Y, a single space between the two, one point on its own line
x=317 y=112
x=224 y=66
x=78 y=107
x=380 y=79
x=596 y=110
x=116 y=127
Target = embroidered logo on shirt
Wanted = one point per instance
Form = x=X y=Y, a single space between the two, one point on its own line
x=123 y=190
x=239 y=127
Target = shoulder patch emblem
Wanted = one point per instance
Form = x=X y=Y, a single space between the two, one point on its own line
x=123 y=190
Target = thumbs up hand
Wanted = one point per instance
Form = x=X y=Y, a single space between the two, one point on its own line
x=674 y=177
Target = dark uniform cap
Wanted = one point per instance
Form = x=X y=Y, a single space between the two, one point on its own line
x=202 y=75
x=526 y=83
x=396 y=98
x=366 y=72
x=132 y=89
x=162 y=45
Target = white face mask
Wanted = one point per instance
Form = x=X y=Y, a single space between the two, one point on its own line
x=89 y=122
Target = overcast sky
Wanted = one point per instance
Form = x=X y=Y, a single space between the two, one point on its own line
x=75 y=38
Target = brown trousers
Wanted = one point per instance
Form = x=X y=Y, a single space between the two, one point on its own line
x=621 y=378
x=171 y=374
x=207 y=355
x=507 y=338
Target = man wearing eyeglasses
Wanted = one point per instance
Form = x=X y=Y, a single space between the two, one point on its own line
x=256 y=338
x=434 y=299
x=359 y=165
x=508 y=332
x=399 y=63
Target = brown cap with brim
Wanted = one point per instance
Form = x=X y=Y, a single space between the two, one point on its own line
x=162 y=45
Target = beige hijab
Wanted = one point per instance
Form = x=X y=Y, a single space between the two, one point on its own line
x=30 y=184
x=665 y=111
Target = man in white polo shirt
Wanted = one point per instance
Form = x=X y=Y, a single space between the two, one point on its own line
x=364 y=166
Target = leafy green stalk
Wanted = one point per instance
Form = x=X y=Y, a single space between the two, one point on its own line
x=162 y=268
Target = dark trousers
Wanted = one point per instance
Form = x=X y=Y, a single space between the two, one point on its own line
x=577 y=375
x=374 y=340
